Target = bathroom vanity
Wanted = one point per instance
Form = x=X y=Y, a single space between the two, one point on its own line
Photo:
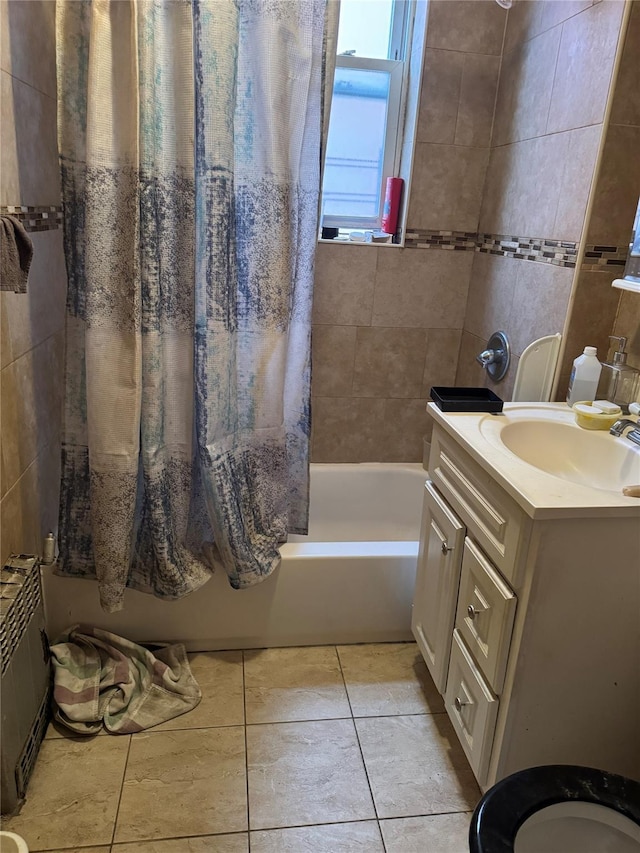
x=527 y=599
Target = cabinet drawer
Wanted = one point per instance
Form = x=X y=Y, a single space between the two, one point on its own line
x=437 y=579
x=486 y=609
x=472 y=708
x=495 y=520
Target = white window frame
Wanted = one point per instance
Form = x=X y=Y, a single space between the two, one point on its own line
x=398 y=70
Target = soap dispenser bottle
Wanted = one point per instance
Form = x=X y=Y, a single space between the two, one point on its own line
x=619 y=382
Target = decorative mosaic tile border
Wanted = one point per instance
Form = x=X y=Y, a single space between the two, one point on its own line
x=35 y=218
x=562 y=253
x=452 y=240
x=557 y=252
x=598 y=258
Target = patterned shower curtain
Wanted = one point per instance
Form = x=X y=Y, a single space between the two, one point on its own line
x=189 y=136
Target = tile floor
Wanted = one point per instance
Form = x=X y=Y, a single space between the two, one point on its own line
x=327 y=749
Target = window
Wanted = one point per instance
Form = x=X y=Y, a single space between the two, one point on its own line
x=365 y=126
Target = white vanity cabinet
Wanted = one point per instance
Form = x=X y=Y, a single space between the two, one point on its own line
x=528 y=623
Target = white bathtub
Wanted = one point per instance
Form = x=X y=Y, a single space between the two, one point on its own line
x=349 y=581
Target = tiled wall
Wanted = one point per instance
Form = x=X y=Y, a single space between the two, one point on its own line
x=554 y=82
x=32 y=341
x=388 y=321
x=600 y=310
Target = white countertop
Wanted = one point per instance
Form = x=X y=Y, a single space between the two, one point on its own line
x=540 y=494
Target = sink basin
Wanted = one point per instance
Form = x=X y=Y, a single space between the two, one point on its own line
x=556 y=445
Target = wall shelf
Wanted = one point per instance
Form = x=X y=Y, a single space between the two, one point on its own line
x=626 y=284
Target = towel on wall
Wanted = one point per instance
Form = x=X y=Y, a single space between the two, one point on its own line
x=101 y=679
x=16 y=252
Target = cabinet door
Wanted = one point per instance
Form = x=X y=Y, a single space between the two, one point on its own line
x=486 y=609
x=472 y=708
x=438 y=575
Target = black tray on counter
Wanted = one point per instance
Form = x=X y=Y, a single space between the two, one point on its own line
x=466 y=399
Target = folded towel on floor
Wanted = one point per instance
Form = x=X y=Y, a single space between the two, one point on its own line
x=16 y=251
x=101 y=679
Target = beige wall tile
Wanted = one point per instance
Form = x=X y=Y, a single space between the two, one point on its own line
x=469 y=373
x=29 y=510
x=474 y=26
x=73 y=793
x=9 y=174
x=592 y=316
x=402 y=433
x=491 y=292
x=369 y=429
x=443 y=349
x=447 y=186
x=31 y=413
x=575 y=183
x=345 y=429
x=446 y=833
x=332 y=360
x=477 y=100
x=416 y=765
x=283 y=685
x=315 y=774
x=618 y=183
x=422 y=288
x=28 y=40
x=389 y=362
x=522 y=187
x=29 y=146
x=388 y=678
x=628 y=324
x=585 y=64
x=626 y=100
x=441 y=80
x=524 y=94
x=554 y=12
x=28 y=319
x=360 y=837
x=170 y=790
x=539 y=305
x=344 y=282
x=523 y=22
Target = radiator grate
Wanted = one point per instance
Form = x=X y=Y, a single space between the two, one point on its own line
x=16 y=614
x=27 y=760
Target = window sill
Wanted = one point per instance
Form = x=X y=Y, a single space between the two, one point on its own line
x=375 y=245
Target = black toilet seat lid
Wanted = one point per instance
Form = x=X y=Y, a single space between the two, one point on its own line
x=506 y=806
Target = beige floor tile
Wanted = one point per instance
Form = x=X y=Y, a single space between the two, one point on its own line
x=73 y=794
x=416 y=766
x=181 y=783
x=283 y=685
x=106 y=849
x=388 y=678
x=205 y=844
x=219 y=675
x=306 y=773
x=361 y=837
x=57 y=730
x=442 y=833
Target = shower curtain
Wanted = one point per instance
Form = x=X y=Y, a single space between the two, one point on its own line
x=189 y=137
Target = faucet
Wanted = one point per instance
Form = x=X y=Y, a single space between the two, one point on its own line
x=623 y=424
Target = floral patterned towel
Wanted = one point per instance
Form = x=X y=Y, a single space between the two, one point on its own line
x=101 y=679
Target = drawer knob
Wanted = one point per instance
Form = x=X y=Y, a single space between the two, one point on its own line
x=459 y=703
x=472 y=611
x=446 y=548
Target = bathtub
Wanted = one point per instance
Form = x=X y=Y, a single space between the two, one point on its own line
x=349 y=581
